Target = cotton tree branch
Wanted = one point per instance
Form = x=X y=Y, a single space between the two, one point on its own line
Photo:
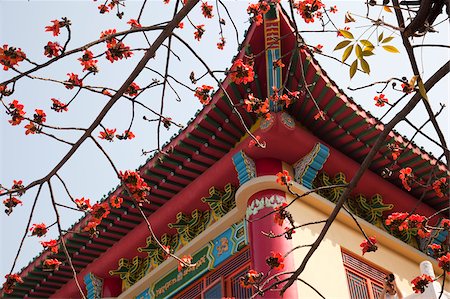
x=166 y=32
x=238 y=114
x=87 y=46
x=63 y=242
x=443 y=71
x=412 y=59
x=26 y=228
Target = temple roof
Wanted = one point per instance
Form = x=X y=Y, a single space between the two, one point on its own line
x=215 y=130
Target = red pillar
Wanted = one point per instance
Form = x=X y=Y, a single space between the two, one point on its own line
x=260 y=204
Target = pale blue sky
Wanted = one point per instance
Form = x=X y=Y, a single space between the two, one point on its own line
x=88 y=174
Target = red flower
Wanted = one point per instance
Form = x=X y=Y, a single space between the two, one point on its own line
x=440 y=186
x=369 y=245
x=17 y=186
x=276 y=261
x=107 y=134
x=52 y=245
x=257 y=10
x=117 y=50
x=241 y=72
x=250 y=278
x=436 y=249
x=278 y=63
x=31 y=129
x=199 y=33
x=167 y=122
x=309 y=9
x=51 y=265
x=91 y=227
x=283 y=178
x=52 y=49
x=280 y=214
x=202 y=93
x=16 y=112
x=420 y=282
x=423 y=233
x=103 y=9
x=73 y=81
x=407 y=87
x=10 y=56
x=256 y=105
x=132 y=90
x=126 y=135
x=58 y=106
x=207 y=10
x=185 y=262
x=134 y=23
x=107 y=33
x=180 y=25
x=333 y=9
x=38 y=229
x=11 y=281
x=83 y=204
x=445 y=223
x=116 y=201
x=221 y=43
x=406 y=176
x=55 y=28
x=397 y=221
x=380 y=100
x=396 y=150
x=136 y=185
x=10 y=203
x=87 y=61
x=39 y=116
x=100 y=211
x=444 y=262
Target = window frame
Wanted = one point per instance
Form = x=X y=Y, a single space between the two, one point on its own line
x=226 y=280
x=369 y=280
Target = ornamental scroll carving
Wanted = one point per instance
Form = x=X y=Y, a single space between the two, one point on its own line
x=187 y=226
x=265 y=202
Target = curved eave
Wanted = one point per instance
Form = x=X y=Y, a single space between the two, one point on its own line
x=354 y=131
x=209 y=136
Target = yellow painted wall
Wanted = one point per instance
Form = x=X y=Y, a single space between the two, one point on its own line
x=325 y=270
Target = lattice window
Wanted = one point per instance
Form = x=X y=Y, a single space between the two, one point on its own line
x=194 y=292
x=364 y=280
x=224 y=280
x=237 y=291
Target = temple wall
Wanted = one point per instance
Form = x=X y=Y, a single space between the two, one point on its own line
x=326 y=271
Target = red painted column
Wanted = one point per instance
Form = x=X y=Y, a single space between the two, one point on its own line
x=260 y=204
x=112 y=287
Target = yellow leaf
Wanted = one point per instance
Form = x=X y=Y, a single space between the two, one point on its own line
x=366 y=43
x=386 y=8
x=342 y=44
x=391 y=49
x=358 y=51
x=370 y=49
x=387 y=39
x=347 y=53
x=353 y=68
x=367 y=53
x=422 y=90
x=413 y=80
x=380 y=37
x=365 y=66
x=346 y=34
